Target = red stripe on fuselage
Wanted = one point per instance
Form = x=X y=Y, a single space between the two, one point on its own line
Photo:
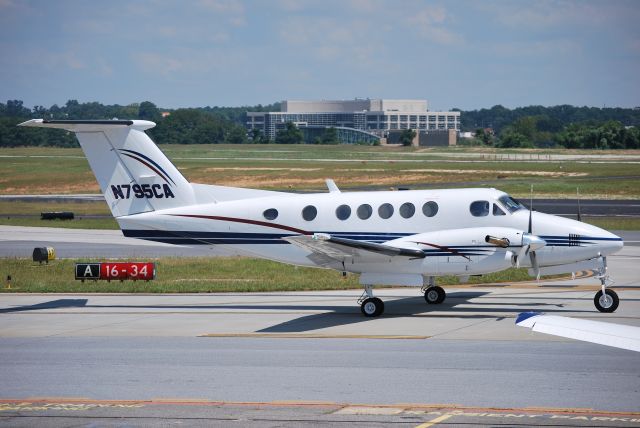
x=246 y=221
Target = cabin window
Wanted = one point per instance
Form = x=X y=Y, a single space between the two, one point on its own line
x=309 y=212
x=364 y=211
x=343 y=212
x=429 y=209
x=385 y=211
x=479 y=208
x=270 y=214
x=407 y=210
x=497 y=210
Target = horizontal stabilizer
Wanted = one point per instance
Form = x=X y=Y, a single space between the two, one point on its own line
x=88 y=125
x=603 y=333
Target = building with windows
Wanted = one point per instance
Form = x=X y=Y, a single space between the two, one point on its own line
x=368 y=118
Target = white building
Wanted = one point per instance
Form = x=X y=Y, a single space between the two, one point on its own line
x=367 y=116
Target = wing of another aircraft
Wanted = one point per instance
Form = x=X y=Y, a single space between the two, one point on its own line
x=603 y=333
x=327 y=249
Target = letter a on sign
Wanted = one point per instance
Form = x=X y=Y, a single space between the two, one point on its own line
x=87 y=271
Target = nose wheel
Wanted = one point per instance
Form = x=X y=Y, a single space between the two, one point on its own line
x=607 y=301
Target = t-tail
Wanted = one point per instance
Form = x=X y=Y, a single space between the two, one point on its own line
x=133 y=173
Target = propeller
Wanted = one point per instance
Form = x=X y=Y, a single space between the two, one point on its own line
x=530 y=243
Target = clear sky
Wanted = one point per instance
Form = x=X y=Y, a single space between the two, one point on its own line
x=194 y=53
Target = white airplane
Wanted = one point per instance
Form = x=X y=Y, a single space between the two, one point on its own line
x=603 y=333
x=388 y=237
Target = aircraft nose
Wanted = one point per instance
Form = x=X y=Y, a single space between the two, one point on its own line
x=608 y=242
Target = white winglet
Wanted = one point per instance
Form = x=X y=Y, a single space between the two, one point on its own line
x=603 y=333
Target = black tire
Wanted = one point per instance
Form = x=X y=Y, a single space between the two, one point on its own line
x=435 y=295
x=606 y=305
x=372 y=307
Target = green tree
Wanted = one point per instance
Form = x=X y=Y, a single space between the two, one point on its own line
x=236 y=135
x=407 y=136
x=484 y=137
x=511 y=138
x=148 y=111
x=289 y=135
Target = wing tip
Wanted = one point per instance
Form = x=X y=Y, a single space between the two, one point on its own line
x=523 y=316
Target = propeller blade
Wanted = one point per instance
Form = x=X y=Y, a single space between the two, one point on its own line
x=534 y=264
x=521 y=254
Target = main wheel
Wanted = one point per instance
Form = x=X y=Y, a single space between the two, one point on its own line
x=435 y=295
x=607 y=302
x=372 y=307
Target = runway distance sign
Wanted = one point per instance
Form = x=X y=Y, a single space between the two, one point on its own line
x=143 y=271
x=87 y=271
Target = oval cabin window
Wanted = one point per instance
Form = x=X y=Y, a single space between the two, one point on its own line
x=343 y=212
x=407 y=210
x=364 y=211
x=309 y=212
x=385 y=211
x=270 y=214
x=430 y=209
x=479 y=208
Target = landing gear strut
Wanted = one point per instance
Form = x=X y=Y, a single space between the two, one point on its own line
x=369 y=305
x=605 y=300
x=433 y=294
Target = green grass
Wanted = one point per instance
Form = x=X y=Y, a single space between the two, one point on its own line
x=38 y=170
x=200 y=275
x=614 y=223
x=77 y=223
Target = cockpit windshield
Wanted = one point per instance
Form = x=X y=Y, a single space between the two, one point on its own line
x=510 y=204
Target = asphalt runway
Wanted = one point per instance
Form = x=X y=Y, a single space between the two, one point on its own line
x=309 y=358
x=305 y=358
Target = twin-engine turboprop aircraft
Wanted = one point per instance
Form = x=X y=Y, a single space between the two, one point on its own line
x=389 y=238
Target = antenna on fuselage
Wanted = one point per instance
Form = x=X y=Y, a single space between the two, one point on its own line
x=579 y=214
x=530 y=230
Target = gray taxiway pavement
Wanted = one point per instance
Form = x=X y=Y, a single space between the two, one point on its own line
x=303 y=358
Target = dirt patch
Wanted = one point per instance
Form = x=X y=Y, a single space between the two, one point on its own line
x=501 y=172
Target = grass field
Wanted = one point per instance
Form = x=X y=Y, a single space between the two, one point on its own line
x=199 y=275
x=36 y=170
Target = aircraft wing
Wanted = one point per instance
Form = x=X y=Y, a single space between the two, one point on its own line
x=603 y=333
x=327 y=249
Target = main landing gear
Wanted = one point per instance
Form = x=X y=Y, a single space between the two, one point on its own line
x=369 y=305
x=433 y=294
x=605 y=300
x=372 y=306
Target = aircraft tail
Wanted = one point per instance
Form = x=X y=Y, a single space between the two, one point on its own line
x=133 y=173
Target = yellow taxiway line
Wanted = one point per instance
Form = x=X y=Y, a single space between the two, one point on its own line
x=316 y=336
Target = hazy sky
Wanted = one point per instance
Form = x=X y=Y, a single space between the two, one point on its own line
x=465 y=54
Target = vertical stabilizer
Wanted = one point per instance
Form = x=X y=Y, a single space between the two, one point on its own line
x=133 y=173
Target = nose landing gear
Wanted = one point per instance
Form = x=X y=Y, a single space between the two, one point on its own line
x=605 y=300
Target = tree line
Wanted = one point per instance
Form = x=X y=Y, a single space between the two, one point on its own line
x=533 y=126
x=563 y=126
x=206 y=125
